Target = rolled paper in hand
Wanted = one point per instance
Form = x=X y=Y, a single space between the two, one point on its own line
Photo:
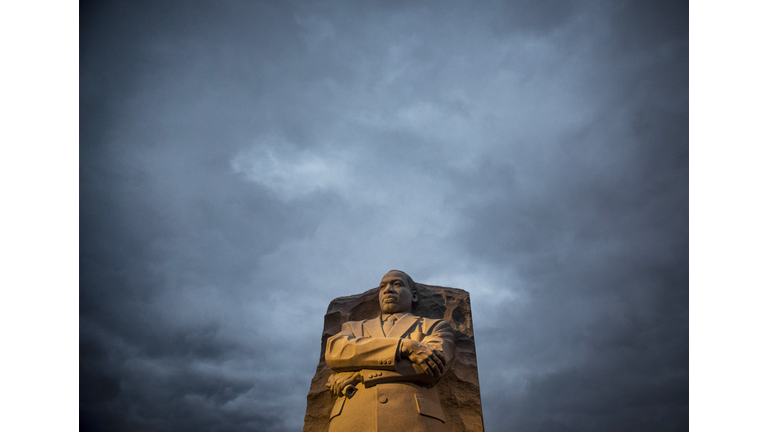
x=349 y=391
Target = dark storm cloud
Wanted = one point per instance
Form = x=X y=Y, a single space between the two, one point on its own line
x=602 y=248
x=243 y=163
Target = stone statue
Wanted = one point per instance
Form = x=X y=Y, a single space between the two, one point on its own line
x=386 y=367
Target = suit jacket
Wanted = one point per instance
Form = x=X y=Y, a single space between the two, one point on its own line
x=395 y=394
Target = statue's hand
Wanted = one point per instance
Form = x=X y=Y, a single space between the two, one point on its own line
x=338 y=382
x=423 y=355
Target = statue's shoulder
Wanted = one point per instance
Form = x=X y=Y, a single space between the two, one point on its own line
x=430 y=324
x=357 y=326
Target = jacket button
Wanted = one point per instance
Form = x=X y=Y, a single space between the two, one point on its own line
x=382 y=399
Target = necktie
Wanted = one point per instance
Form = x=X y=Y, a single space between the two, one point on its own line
x=389 y=323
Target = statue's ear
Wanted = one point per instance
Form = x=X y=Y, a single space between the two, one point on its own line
x=414 y=294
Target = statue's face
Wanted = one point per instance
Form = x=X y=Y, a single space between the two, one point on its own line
x=394 y=294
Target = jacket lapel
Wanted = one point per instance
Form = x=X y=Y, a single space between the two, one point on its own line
x=402 y=326
x=374 y=327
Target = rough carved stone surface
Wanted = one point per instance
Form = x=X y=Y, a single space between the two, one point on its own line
x=459 y=389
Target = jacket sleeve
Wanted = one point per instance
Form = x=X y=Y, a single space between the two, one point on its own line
x=345 y=352
x=439 y=337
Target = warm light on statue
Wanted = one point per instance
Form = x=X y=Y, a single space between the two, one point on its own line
x=392 y=361
x=384 y=370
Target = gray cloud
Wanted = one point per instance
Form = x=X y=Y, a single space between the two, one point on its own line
x=243 y=163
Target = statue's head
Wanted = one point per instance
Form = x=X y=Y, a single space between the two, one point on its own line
x=397 y=292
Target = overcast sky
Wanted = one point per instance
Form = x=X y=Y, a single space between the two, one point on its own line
x=244 y=163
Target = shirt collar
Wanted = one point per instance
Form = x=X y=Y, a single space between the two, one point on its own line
x=398 y=315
